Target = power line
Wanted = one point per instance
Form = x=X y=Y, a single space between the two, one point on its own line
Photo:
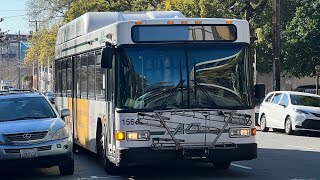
x=11 y=10
x=14 y=16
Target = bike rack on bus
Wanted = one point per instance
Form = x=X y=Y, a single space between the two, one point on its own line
x=160 y=119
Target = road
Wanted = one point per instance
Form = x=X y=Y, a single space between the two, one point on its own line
x=279 y=157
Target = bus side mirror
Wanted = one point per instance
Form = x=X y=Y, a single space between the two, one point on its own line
x=259 y=91
x=107 y=57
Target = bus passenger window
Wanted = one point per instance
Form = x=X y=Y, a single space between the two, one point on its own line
x=84 y=80
x=100 y=78
x=91 y=64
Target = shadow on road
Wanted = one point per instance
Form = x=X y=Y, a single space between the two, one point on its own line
x=270 y=164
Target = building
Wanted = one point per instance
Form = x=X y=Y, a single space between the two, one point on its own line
x=9 y=48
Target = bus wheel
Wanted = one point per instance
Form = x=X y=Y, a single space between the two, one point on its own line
x=222 y=165
x=109 y=167
x=76 y=148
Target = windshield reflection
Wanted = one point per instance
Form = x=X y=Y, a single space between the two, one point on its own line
x=305 y=100
x=183 y=77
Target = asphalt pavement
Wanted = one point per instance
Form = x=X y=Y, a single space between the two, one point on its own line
x=280 y=156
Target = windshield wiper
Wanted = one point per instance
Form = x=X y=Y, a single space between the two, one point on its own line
x=172 y=91
x=204 y=93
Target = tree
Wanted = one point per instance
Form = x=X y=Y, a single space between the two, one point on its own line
x=79 y=7
x=42 y=46
x=302 y=50
x=47 y=11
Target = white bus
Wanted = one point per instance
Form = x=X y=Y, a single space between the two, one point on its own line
x=147 y=87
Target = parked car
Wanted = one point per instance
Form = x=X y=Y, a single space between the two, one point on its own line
x=50 y=95
x=307 y=89
x=33 y=134
x=291 y=111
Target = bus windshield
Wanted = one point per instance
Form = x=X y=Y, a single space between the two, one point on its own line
x=171 y=77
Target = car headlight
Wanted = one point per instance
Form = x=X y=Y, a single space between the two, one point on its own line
x=138 y=135
x=61 y=134
x=239 y=132
x=300 y=111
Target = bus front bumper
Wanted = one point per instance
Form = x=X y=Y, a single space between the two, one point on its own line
x=146 y=155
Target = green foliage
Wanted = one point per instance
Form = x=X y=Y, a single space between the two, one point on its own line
x=301 y=50
x=42 y=46
x=300 y=20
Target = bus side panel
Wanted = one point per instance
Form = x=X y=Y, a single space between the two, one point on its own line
x=82 y=122
x=97 y=109
x=70 y=118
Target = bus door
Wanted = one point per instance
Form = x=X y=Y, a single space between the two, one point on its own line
x=76 y=94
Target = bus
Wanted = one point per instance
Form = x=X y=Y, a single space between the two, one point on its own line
x=146 y=87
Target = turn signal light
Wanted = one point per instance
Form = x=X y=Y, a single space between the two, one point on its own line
x=120 y=135
x=253 y=131
x=184 y=22
x=138 y=22
x=198 y=22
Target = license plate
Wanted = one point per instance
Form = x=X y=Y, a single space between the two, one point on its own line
x=28 y=153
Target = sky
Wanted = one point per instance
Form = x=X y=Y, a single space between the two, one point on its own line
x=14 y=14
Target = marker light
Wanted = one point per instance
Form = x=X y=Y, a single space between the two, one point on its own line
x=120 y=136
x=138 y=22
x=170 y=22
x=184 y=22
x=198 y=22
x=229 y=21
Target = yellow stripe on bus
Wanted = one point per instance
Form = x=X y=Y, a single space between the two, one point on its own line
x=83 y=121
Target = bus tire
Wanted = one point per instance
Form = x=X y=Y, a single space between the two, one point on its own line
x=108 y=166
x=76 y=148
x=222 y=165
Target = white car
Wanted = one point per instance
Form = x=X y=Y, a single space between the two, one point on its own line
x=291 y=111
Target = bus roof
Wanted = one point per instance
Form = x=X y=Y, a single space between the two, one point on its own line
x=92 y=30
x=92 y=21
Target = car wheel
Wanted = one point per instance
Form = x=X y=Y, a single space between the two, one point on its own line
x=288 y=126
x=67 y=168
x=263 y=124
x=222 y=165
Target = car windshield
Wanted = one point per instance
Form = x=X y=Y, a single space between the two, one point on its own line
x=304 y=100
x=173 y=77
x=25 y=108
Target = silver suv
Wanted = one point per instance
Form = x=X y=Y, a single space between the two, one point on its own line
x=32 y=133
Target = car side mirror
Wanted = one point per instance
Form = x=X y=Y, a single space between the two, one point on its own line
x=259 y=91
x=107 y=57
x=65 y=113
x=283 y=104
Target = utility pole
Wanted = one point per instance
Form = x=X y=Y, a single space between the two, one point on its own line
x=19 y=60
x=276 y=43
x=36 y=22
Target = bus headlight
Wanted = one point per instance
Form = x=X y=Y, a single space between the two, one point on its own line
x=239 y=132
x=138 y=135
